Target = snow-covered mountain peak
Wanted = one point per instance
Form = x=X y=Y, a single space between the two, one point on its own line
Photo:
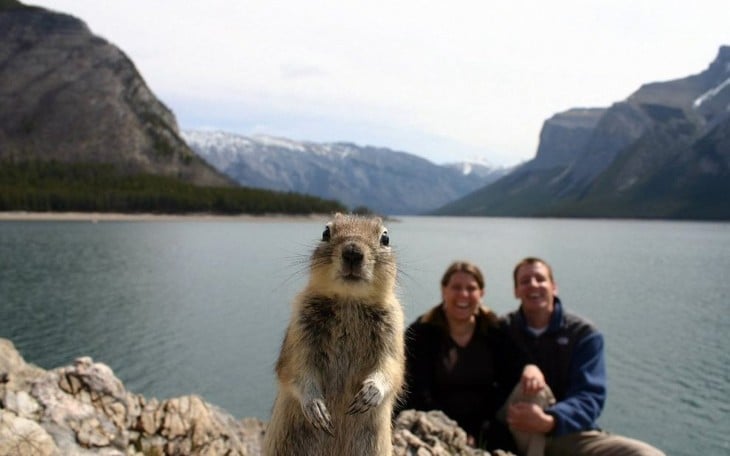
x=384 y=180
x=711 y=93
x=477 y=165
x=281 y=143
x=213 y=139
x=466 y=168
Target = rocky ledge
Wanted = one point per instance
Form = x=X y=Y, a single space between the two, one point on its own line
x=84 y=409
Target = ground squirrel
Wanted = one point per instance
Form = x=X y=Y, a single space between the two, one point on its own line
x=341 y=364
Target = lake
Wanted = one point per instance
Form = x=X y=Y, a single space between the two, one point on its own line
x=200 y=307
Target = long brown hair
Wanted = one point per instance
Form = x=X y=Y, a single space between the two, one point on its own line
x=463 y=266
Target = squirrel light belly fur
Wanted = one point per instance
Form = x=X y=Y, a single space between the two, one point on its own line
x=341 y=365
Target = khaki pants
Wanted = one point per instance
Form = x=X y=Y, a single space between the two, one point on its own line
x=598 y=443
x=593 y=443
x=528 y=444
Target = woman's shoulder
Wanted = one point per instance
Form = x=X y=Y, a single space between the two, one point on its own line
x=433 y=317
x=488 y=320
x=431 y=323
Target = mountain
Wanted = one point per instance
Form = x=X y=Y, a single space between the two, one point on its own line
x=663 y=152
x=69 y=96
x=383 y=180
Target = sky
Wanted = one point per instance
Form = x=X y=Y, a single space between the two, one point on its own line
x=445 y=80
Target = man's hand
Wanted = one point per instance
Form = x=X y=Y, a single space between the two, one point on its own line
x=532 y=380
x=529 y=418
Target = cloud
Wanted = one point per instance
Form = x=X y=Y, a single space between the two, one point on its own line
x=480 y=75
x=298 y=71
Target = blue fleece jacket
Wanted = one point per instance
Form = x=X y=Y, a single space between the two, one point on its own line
x=571 y=356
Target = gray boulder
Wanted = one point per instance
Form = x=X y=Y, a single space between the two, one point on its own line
x=84 y=409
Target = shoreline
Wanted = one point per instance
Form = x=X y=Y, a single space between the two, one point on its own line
x=95 y=217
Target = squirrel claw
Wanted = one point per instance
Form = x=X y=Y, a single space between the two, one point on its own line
x=316 y=413
x=368 y=397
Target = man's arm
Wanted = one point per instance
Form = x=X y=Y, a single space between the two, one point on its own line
x=586 y=393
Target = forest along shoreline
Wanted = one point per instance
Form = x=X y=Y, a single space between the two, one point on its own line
x=150 y=217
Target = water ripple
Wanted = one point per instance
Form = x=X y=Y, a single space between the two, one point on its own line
x=200 y=308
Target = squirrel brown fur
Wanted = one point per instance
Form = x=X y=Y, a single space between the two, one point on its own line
x=341 y=365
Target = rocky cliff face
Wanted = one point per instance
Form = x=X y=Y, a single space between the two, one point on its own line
x=658 y=122
x=84 y=410
x=621 y=125
x=661 y=153
x=70 y=96
x=564 y=136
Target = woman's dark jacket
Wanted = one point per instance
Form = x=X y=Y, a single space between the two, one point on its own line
x=441 y=375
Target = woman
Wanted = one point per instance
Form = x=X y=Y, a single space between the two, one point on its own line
x=449 y=352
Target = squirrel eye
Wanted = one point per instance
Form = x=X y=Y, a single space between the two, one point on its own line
x=384 y=239
x=326 y=235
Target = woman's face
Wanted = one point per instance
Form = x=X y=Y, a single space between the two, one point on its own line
x=462 y=296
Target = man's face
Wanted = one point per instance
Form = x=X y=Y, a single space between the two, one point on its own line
x=534 y=288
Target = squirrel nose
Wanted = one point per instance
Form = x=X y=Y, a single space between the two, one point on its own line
x=352 y=254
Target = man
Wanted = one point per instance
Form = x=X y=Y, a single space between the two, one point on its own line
x=568 y=354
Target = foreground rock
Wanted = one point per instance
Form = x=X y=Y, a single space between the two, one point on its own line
x=84 y=409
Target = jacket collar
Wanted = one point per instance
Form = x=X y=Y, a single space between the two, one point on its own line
x=437 y=317
x=556 y=320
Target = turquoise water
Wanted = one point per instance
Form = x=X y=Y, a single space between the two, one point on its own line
x=199 y=307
